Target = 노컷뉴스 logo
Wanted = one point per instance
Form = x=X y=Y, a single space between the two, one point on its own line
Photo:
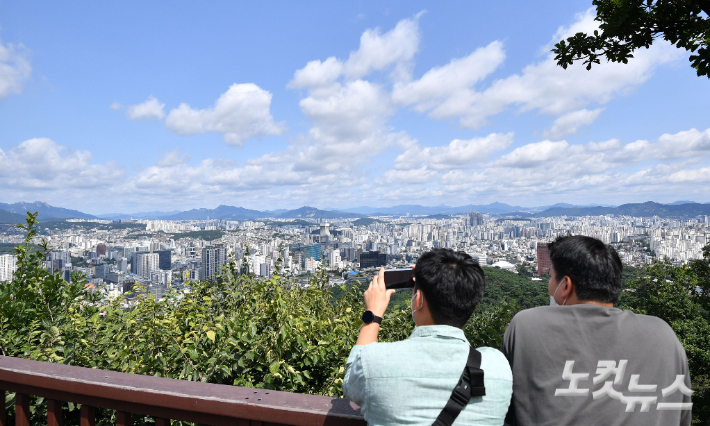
x=606 y=369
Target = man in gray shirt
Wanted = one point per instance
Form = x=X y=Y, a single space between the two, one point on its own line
x=583 y=362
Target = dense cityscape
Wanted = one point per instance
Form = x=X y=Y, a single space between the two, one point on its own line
x=115 y=255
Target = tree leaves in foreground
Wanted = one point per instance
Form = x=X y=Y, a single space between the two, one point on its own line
x=678 y=295
x=628 y=25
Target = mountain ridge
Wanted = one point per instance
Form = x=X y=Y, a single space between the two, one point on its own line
x=15 y=213
x=45 y=211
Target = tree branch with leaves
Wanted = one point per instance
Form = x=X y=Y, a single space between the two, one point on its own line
x=628 y=25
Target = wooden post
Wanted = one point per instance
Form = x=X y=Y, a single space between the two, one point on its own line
x=3 y=414
x=162 y=422
x=88 y=416
x=22 y=409
x=123 y=419
x=54 y=412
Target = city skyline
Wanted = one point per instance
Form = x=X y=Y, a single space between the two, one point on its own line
x=127 y=109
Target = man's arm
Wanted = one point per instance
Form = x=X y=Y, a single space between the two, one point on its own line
x=507 y=347
x=377 y=297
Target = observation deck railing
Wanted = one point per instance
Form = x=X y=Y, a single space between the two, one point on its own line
x=161 y=398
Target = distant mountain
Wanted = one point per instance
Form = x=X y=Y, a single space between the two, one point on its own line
x=140 y=215
x=577 y=211
x=221 y=212
x=313 y=212
x=646 y=209
x=11 y=218
x=415 y=209
x=275 y=213
x=45 y=211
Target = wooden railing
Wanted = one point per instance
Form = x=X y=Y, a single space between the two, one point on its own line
x=161 y=398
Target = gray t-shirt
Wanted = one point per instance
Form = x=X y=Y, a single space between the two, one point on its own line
x=593 y=365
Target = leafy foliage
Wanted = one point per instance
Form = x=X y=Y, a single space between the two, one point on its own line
x=627 y=25
x=679 y=296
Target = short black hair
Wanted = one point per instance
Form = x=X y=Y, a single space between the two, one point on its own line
x=452 y=283
x=594 y=267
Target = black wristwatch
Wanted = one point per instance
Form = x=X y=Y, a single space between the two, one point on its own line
x=368 y=317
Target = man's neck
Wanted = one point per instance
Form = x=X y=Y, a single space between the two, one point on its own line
x=594 y=302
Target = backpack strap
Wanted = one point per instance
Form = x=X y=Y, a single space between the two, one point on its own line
x=470 y=384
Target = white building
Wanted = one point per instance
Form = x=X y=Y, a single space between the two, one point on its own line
x=334 y=260
x=147 y=263
x=310 y=264
x=8 y=266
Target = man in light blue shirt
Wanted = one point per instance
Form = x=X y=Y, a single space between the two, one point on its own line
x=411 y=381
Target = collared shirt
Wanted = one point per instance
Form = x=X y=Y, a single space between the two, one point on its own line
x=409 y=382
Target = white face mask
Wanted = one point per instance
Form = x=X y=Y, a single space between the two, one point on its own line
x=412 y=303
x=553 y=302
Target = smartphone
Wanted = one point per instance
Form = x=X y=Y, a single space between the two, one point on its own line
x=399 y=278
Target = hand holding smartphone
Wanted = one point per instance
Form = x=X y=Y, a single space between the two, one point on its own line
x=399 y=278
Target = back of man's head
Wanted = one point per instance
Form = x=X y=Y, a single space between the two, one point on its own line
x=594 y=267
x=452 y=283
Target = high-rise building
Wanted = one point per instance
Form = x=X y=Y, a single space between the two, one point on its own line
x=348 y=253
x=162 y=277
x=334 y=260
x=101 y=249
x=213 y=258
x=134 y=261
x=101 y=270
x=165 y=261
x=313 y=251
x=475 y=218
x=122 y=265
x=8 y=266
x=372 y=259
x=543 y=259
x=265 y=270
x=147 y=263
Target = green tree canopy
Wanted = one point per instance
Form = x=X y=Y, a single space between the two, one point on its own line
x=627 y=25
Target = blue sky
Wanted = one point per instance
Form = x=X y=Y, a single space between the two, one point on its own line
x=135 y=106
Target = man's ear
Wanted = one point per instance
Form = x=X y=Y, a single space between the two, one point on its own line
x=568 y=288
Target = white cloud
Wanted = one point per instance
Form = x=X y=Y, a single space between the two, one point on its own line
x=376 y=52
x=354 y=111
x=15 y=68
x=350 y=114
x=693 y=176
x=116 y=106
x=241 y=113
x=42 y=164
x=441 y=89
x=457 y=154
x=683 y=144
x=151 y=110
x=533 y=154
x=571 y=122
x=604 y=146
x=542 y=86
x=317 y=73
x=173 y=158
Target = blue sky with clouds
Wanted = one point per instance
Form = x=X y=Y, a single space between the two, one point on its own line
x=134 y=106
